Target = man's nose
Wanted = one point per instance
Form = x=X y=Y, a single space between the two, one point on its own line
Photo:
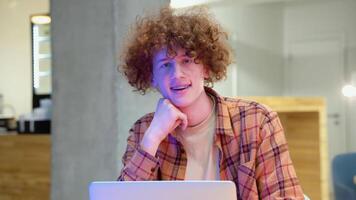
x=177 y=70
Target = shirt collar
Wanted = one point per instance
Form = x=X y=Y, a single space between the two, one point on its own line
x=223 y=119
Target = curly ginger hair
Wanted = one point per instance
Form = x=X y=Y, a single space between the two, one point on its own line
x=194 y=30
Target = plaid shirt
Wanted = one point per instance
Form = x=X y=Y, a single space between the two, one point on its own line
x=253 y=152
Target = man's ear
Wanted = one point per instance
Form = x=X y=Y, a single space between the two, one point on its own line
x=206 y=72
x=154 y=82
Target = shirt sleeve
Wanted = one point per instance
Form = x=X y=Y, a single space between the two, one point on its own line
x=138 y=164
x=275 y=174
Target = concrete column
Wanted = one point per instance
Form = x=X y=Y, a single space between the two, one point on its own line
x=93 y=105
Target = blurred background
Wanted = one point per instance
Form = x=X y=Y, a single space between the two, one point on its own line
x=65 y=111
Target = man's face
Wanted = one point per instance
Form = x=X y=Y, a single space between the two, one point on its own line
x=178 y=79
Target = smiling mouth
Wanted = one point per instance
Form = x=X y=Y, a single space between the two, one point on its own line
x=181 y=87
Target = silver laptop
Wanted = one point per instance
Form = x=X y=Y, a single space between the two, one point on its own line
x=163 y=190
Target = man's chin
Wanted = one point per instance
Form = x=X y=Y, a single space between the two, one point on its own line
x=180 y=104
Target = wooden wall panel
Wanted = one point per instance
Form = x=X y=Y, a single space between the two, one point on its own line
x=304 y=122
x=302 y=133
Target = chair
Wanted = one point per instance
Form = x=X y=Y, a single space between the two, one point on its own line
x=343 y=171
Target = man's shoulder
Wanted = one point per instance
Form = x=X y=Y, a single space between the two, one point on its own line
x=239 y=108
x=245 y=104
x=143 y=122
x=147 y=118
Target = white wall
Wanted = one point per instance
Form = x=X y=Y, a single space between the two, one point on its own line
x=333 y=21
x=257 y=36
x=327 y=18
x=15 y=51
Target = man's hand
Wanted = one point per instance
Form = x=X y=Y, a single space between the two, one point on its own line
x=167 y=118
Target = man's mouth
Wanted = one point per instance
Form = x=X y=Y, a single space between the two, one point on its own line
x=180 y=87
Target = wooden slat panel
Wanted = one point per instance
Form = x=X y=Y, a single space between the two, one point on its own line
x=25 y=167
x=304 y=121
x=302 y=133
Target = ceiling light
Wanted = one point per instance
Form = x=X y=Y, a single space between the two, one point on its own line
x=349 y=91
x=40 y=19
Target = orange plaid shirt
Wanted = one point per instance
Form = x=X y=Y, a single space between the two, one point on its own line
x=253 y=152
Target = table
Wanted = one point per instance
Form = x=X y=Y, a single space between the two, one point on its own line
x=25 y=166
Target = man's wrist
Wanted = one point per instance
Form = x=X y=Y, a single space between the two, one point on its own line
x=149 y=143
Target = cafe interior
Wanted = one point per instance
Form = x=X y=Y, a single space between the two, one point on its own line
x=65 y=110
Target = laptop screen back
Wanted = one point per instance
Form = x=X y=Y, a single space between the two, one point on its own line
x=163 y=190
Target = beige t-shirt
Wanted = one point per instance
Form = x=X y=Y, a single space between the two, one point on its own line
x=202 y=155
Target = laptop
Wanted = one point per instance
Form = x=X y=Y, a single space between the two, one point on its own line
x=162 y=190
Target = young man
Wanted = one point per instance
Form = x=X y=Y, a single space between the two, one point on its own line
x=195 y=134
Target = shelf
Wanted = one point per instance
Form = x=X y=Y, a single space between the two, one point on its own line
x=44 y=56
x=43 y=39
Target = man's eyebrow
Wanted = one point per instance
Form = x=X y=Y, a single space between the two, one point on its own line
x=183 y=56
x=163 y=59
x=167 y=58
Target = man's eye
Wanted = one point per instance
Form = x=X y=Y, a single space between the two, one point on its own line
x=165 y=65
x=187 y=61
